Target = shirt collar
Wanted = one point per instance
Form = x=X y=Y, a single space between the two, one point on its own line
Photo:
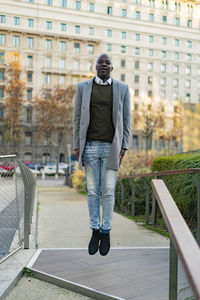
x=100 y=81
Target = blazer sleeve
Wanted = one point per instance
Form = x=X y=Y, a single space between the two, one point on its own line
x=76 y=119
x=126 y=120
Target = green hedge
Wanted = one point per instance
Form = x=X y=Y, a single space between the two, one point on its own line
x=181 y=187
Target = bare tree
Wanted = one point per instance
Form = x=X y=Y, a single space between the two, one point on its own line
x=54 y=117
x=14 y=99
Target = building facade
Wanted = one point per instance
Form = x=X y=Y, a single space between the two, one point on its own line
x=154 y=45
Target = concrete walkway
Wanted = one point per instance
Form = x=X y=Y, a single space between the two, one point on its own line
x=63 y=223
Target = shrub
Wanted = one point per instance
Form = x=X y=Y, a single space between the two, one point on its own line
x=78 y=180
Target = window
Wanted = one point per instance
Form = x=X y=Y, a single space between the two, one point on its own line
x=48 y=25
x=123 y=49
x=62 y=46
x=29 y=60
x=124 y=13
x=162 y=81
x=137 y=15
x=109 y=33
x=30 y=23
x=137 y=37
x=109 y=10
x=150 y=38
x=136 y=92
x=188 y=70
x=177 y=42
x=76 y=65
x=176 y=69
x=30 y=42
x=91 y=30
x=109 y=47
x=29 y=94
x=164 y=19
x=63 y=27
x=150 y=94
x=187 y=98
x=16 y=20
x=16 y=40
x=78 y=4
x=189 y=44
x=31 y=1
x=189 y=57
x=47 y=78
x=137 y=51
x=137 y=78
x=1 y=75
x=91 y=7
x=90 y=66
x=49 y=2
x=151 y=17
x=150 y=79
x=1 y=117
x=2 y=19
x=175 y=83
x=188 y=84
x=176 y=55
x=162 y=94
x=29 y=114
x=175 y=96
x=137 y=64
x=2 y=39
x=189 y=23
x=62 y=79
x=164 y=40
x=150 y=52
x=90 y=49
x=177 y=21
x=123 y=77
x=77 y=29
x=48 y=44
x=123 y=63
x=1 y=92
x=123 y=35
x=163 y=68
x=30 y=77
x=150 y=66
x=28 y=138
x=1 y=57
x=64 y=3
x=164 y=54
x=62 y=63
x=48 y=62
x=76 y=48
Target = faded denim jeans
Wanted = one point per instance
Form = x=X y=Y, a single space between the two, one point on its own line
x=99 y=178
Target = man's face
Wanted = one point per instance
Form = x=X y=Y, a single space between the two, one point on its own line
x=104 y=67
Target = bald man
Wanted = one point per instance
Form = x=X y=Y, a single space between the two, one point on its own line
x=100 y=138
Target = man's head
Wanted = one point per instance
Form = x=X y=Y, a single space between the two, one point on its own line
x=104 y=66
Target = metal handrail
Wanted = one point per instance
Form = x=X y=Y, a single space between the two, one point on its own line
x=181 y=237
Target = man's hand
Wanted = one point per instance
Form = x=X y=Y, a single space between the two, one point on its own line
x=77 y=154
x=121 y=155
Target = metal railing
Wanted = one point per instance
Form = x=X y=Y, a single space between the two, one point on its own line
x=17 y=194
x=182 y=242
x=155 y=175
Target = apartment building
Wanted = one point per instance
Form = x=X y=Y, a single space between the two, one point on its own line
x=154 y=45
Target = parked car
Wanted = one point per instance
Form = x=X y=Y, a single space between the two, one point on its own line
x=51 y=170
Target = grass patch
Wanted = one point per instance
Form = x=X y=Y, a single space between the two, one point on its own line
x=28 y=272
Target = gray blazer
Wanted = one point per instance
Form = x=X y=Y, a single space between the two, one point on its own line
x=121 y=119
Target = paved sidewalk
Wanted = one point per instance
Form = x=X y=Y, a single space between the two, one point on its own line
x=63 y=223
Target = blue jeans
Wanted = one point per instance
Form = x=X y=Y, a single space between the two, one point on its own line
x=98 y=177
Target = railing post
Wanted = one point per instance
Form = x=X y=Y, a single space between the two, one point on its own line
x=122 y=195
x=132 y=197
x=173 y=272
x=197 y=184
x=154 y=208
x=147 y=202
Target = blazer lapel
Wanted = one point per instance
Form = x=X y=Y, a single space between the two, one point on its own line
x=115 y=101
x=87 y=92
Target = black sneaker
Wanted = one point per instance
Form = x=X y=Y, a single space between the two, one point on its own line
x=104 y=243
x=94 y=242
